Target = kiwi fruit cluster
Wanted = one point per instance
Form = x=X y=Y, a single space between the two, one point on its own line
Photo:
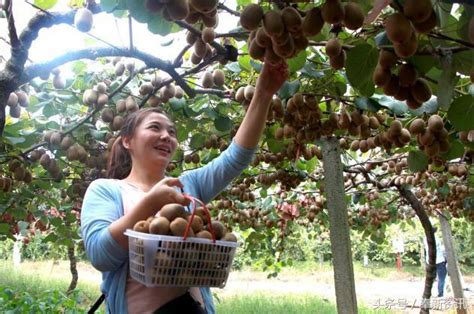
x=18 y=172
x=417 y=16
x=6 y=184
x=281 y=34
x=432 y=136
x=173 y=219
x=96 y=97
x=83 y=20
x=191 y=11
x=403 y=86
x=17 y=100
x=213 y=79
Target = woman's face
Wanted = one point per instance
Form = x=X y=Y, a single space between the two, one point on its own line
x=154 y=141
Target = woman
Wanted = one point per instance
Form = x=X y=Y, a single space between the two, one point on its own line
x=138 y=188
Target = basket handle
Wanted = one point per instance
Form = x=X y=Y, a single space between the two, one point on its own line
x=188 y=226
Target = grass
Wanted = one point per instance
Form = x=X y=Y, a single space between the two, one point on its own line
x=37 y=277
x=281 y=304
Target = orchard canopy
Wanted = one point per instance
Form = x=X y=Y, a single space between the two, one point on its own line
x=390 y=80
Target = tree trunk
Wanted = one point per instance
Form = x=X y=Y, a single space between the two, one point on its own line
x=72 y=267
x=453 y=267
x=339 y=228
x=429 y=233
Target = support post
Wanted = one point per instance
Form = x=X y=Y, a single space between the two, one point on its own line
x=453 y=267
x=339 y=227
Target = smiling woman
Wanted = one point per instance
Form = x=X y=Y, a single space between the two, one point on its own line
x=137 y=189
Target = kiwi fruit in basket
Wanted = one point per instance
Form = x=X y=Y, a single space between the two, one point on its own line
x=141 y=226
x=171 y=211
x=159 y=225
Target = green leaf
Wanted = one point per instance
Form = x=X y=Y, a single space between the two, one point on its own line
x=158 y=25
x=423 y=64
x=446 y=84
x=417 y=161
x=138 y=11
x=244 y=63
x=46 y=4
x=463 y=61
x=223 y=124
x=456 y=150
x=289 y=89
x=397 y=107
x=108 y=5
x=367 y=104
x=275 y=146
x=4 y=228
x=461 y=113
x=256 y=65
x=197 y=141
x=361 y=63
x=234 y=67
x=298 y=62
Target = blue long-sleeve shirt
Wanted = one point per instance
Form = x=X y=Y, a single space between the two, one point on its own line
x=102 y=205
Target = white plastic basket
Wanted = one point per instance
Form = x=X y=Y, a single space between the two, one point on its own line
x=169 y=261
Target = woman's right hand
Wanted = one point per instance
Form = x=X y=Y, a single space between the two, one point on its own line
x=165 y=192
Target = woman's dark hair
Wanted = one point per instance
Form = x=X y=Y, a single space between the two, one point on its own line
x=120 y=161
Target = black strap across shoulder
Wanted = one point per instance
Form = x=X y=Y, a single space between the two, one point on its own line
x=97 y=304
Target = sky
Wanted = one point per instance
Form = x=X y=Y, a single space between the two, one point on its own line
x=61 y=38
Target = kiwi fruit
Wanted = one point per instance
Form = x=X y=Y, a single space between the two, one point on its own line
x=354 y=145
x=102 y=100
x=249 y=90
x=251 y=16
x=66 y=142
x=417 y=126
x=171 y=211
x=353 y=16
x=218 y=228
x=402 y=94
x=83 y=20
x=286 y=50
x=159 y=225
x=55 y=138
x=218 y=77
x=333 y=47
x=117 y=123
x=177 y=9
x=387 y=59
x=58 y=82
x=291 y=19
x=239 y=94
x=119 y=68
x=405 y=136
x=230 y=237
x=197 y=223
x=273 y=23
x=200 y=48
x=412 y=103
x=396 y=127
x=207 y=80
x=90 y=97
x=120 y=106
x=142 y=226
x=208 y=35
x=301 y=43
x=22 y=98
x=392 y=86
x=256 y=51
x=417 y=10
x=332 y=11
x=201 y=212
x=407 y=75
x=381 y=76
x=15 y=112
x=398 y=28
x=154 y=6
x=312 y=22
x=432 y=149
x=145 y=89
x=130 y=104
x=339 y=61
x=203 y=6
x=178 y=226
x=262 y=38
x=210 y=20
x=420 y=90
x=204 y=234
x=435 y=123
x=408 y=48
x=426 y=26
x=271 y=57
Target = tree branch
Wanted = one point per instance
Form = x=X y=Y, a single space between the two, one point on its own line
x=226 y=8
x=459 y=41
x=14 y=41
